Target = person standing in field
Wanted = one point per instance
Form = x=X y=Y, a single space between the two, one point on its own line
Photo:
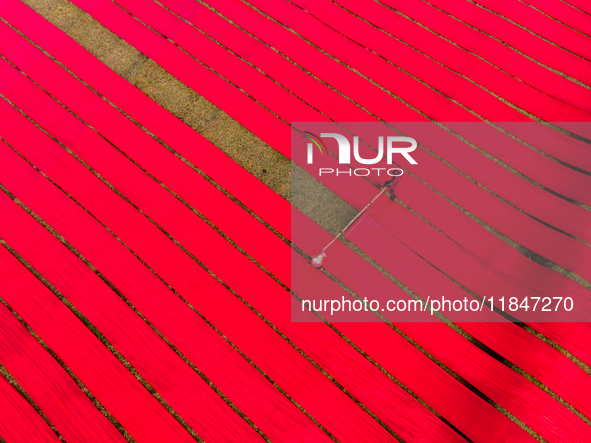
x=390 y=186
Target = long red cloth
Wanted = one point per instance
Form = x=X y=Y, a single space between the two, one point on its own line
x=244 y=328
x=517 y=345
x=137 y=180
x=179 y=385
x=40 y=375
x=19 y=422
x=274 y=208
x=136 y=246
x=347 y=82
x=564 y=13
x=541 y=25
x=538 y=167
x=536 y=206
x=450 y=83
x=518 y=38
x=188 y=143
x=472 y=53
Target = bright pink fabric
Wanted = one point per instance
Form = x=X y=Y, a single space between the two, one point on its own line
x=176 y=134
x=111 y=205
x=484 y=245
x=227 y=277
x=336 y=75
x=380 y=70
x=519 y=346
x=161 y=133
x=241 y=227
x=518 y=38
x=179 y=385
x=271 y=95
x=536 y=206
x=556 y=177
x=405 y=362
x=40 y=375
x=500 y=384
x=134 y=246
x=103 y=113
x=296 y=81
x=19 y=422
x=358 y=192
x=541 y=25
x=244 y=328
x=518 y=192
x=462 y=57
x=555 y=246
x=564 y=13
x=73 y=93
x=166 y=54
x=563 y=180
x=448 y=82
x=490 y=376
x=582 y=5
x=192 y=73
x=557 y=181
x=353 y=55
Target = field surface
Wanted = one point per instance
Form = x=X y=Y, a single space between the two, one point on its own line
x=146 y=212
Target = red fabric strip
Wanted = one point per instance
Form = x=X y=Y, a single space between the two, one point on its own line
x=563 y=12
x=547 y=172
x=470 y=160
x=335 y=74
x=111 y=205
x=176 y=134
x=579 y=4
x=545 y=27
x=161 y=163
x=494 y=379
x=19 y=422
x=549 y=243
x=243 y=327
x=179 y=385
x=435 y=75
x=517 y=345
x=459 y=56
x=518 y=38
x=381 y=71
x=74 y=90
x=48 y=384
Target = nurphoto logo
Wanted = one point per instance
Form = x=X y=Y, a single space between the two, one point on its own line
x=393 y=145
x=345 y=148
